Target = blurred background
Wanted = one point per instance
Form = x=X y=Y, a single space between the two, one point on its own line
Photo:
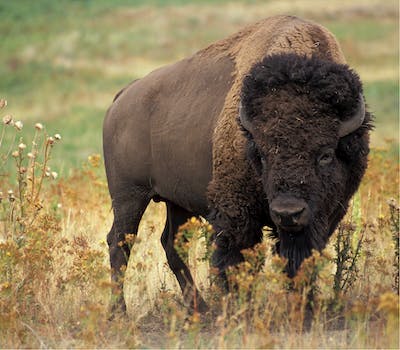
x=62 y=62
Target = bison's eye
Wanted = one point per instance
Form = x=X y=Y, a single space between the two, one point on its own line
x=263 y=162
x=326 y=157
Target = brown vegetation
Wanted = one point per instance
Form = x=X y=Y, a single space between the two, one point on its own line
x=54 y=284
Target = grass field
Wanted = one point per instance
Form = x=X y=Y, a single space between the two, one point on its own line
x=61 y=64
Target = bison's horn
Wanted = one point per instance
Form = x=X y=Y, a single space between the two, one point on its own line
x=243 y=119
x=355 y=121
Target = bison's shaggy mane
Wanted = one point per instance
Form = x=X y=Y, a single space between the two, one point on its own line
x=331 y=91
x=333 y=87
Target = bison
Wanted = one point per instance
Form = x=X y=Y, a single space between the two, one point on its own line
x=268 y=127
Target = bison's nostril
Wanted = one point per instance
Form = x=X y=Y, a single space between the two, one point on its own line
x=297 y=216
x=287 y=217
x=289 y=212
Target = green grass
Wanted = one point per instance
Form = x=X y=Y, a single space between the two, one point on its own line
x=62 y=62
x=383 y=98
x=363 y=29
x=81 y=137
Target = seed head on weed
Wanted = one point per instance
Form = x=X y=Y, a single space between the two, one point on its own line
x=18 y=125
x=39 y=126
x=8 y=120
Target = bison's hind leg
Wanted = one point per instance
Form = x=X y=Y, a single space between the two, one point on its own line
x=176 y=216
x=128 y=208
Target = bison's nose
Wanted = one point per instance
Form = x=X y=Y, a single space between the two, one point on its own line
x=290 y=213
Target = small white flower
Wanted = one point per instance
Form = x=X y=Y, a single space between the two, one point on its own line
x=39 y=126
x=18 y=125
x=30 y=155
x=3 y=103
x=50 y=140
x=21 y=146
x=47 y=173
x=54 y=175
x=57 y=137
x=10 y=192
x=15 y=154
x=7 y=119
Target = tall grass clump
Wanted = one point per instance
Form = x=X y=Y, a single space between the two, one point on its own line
x=395 y=229
x=27 y=230
x=348 y=246
x=50 y=283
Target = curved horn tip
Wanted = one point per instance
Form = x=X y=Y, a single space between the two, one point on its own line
x=348 y=126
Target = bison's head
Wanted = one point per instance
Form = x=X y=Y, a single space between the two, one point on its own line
x=307 y=130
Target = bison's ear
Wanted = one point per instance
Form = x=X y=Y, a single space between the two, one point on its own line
x=252 y=153
x=244 y=120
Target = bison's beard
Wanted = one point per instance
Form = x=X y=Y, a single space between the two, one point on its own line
x=296 y=247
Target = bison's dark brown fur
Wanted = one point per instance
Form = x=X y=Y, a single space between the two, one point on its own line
x=266 y=127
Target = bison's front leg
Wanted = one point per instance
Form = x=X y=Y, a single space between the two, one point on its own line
x=233 y=234
x=177 y=216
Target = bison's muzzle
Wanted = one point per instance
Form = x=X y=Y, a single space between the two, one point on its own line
x=289 y=213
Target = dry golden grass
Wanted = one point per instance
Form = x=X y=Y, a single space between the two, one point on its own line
x=55 y=287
